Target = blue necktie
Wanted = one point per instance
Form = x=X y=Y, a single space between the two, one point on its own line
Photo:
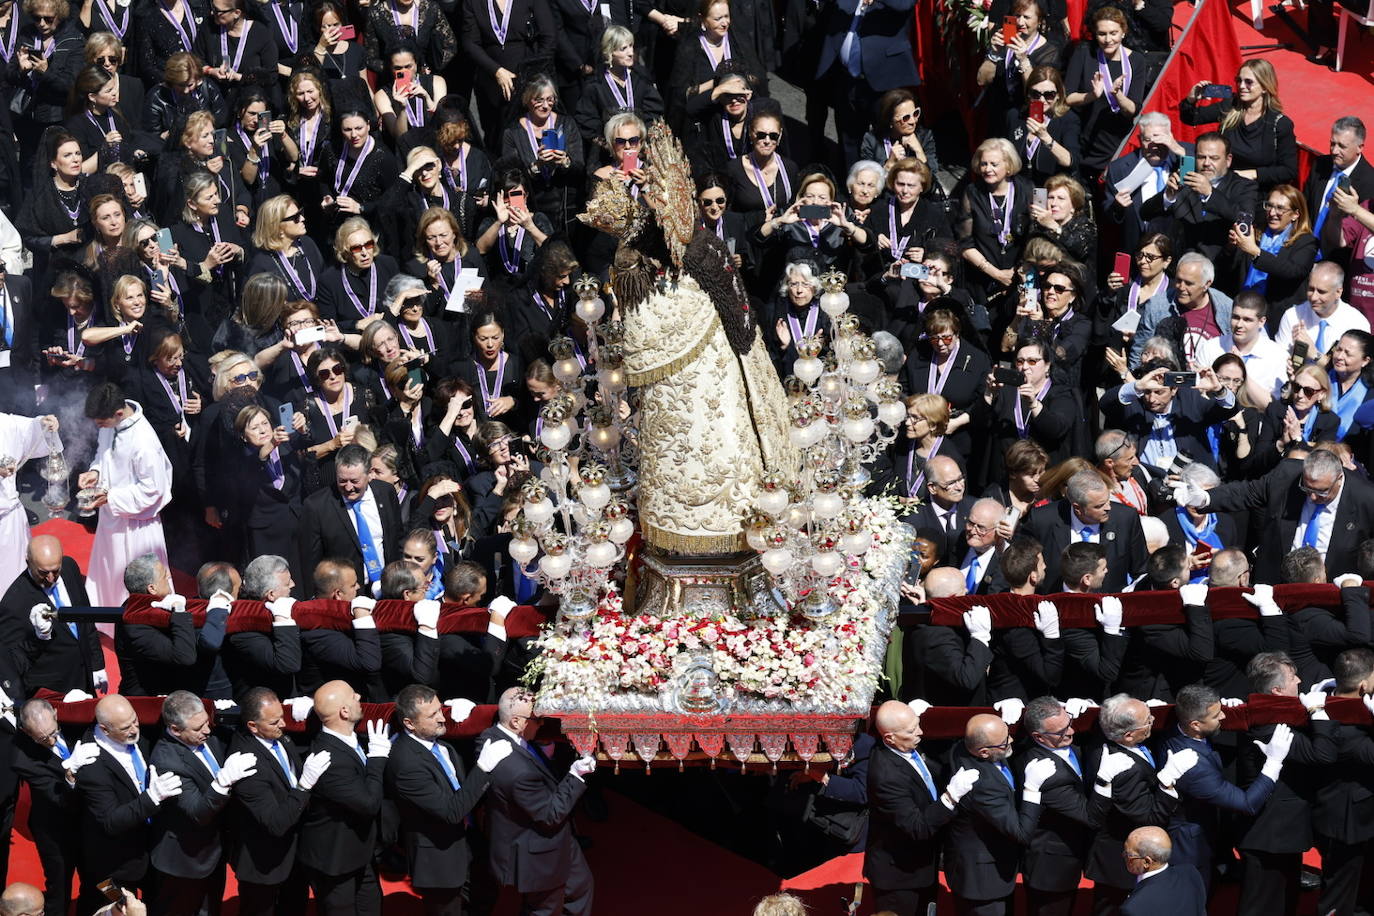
x=537 y=755
x=853 y=56
x=209 y=759
x=525 y=587
x=1325 y=207
x=1006 y=774
x=971 y=580
x=140 y=768
x=925 y=773
x=1161 y=179
x=1073 y=762
x=372 y=562
x=1309 y=537
x=55 y=596
x=280 y=753
x=1321 y=336
x=1149 y=758
x=444 y=765
x=6 y=332
x=362 y=755
x=1087 y=533
x=62 y=750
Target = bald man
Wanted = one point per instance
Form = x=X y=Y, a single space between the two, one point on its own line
x=983 y=844
x=46 y=652
x=119 y=792
x=339 y=830
x=948 y=666
x=20 y=898
x=1159 y=888
x=907 y=812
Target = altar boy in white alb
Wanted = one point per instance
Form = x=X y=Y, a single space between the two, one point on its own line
x=137 y=477
x=21 y=438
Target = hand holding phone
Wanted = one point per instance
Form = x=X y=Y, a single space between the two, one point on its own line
x=1037 y=111
x=1009 y=29
x=1122 y=265
x=285 y=414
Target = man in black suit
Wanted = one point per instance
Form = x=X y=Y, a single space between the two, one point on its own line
x=948 y=666
x=267 y=808
x=152 y=659
x=1168 y=421
x=409 y=658
x=528 y=807
x=1159 y=888
x=1346 y=161
x=906 y=813
x=1316 y=635
x=19 y=343
x=982 y=545
x=1026 y=661
x=333 y=655
x=947 y=510
x=45 y=760
x=1273 y=841
x=1092 y=658
x=270 y=659
x=357 y=520
x=1140 y=796
x=435 y=796
x=1205 y=203
x=119 y=792
x=1343 y=814
x=1162 y=658
x=1321 y=507
x=45 y=652
x=1068 y=811
x=1159 y=148
x=1087 y=514
x=984 y=841
x=340 y=826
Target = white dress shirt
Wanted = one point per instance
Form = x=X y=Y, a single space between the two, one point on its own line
x=121 y=755
x=1345 y=318
x=1326 y=523
x=1266 y=363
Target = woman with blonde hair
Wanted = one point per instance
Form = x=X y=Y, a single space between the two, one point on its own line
x=106 y=50
x=122 y=343
x=351 y=293
x=284 y=247
x=1264 y=147
x=927 y=422
x=618 y=84
x=264 y=488
x=1305 y=415
x=211 y=244
x=440 y=253
x=420 y=188
x=994 y=216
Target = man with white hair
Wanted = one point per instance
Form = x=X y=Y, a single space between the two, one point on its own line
x=1161 y=152
x=1324 y=317
x=1205 y=311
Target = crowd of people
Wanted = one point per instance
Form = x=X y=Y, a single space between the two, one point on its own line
x=294 y=314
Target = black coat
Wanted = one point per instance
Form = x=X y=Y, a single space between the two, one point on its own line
x=265 y=814
x=1178 y=891
x=1163 y=658
x=152 y=659
x=1138 y=800
x=62 y=663
x=326 y=529
x=1069 y=813
x=1121 y=536
x=1269 y=146
x=1316 y=636
x=434 y=816
x=340 y=826
x=188 y=825
x=335 y=655
x=270 y=659
x=1314 y=189
x=115 y=821
x=1206 y=227
x=984 y=841
x=904 y=823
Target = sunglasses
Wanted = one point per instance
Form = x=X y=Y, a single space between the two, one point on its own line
x=1049 y=95
x=737 y=98
x=1059 y=288
x=427 y=168
x=107 y=59
x=297 y=217
x=242 y=377
x=148 y=241
x=328 y=372
x=628 y=141
x=774 y=135
x=465 y=405
x=1309 y=392
x=44 y=18
x=365 y=246
x=909 y=116
x=713 y=201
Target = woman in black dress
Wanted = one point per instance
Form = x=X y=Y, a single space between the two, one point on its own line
x=905 y=222
x=166 y=28
x=106 y=51
x=1264 y=147
x=361 y=173
x=256 y=147
x=308 y=143
x=353 y=290
x=619 y=84
x=46 y=61
x=212 y=245
x=191 y=148
x=265 y=484
x=445 y=261
x=333 y=413
x=419 y=25
x=97 y=123
x=1067 y=220
x=107 y=228
x=830 y=241
x=180 y=90
x=721 y=135
x=899 y=134
x=946 y=364
x=465 y=169
x=406 y=102
x=165 y=274
x=419 y=188
x=762 y=182
x=700 y=54
x=1107 y=84
x=509 y=238
x=343 y=63
x=713 y=199
x=496 y=375
x=284 y=248
x=1006 y=72
x=994 y=217
x=549 y=149
x=1048 y=145
x=54 y=217
x=120 y=346
x=240 y=53
x=454 y=444
x=169 y=389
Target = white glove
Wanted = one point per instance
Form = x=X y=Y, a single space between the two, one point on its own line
x=919 y=707
x=220 y=601
x=1076 y=706
x=580 y=768
x=1047 y=619
x=1190 y=494
x=76 y=696
x=493 y=752
x=1325 y=686
x=281 y=607
x=1313 y=700
x=501 y=605
x=960 y=784
x=1348 y=580
x=1179 y=762
x=40 y=618
x=1275 y=751
x=1231 y=702
x=1194 y=593
x=1010 y=709
x=173 y=602
x=314 y=768
x=1368 y=700
x=162 y=786
x=1154 y=703
x=426 y=613
x=378 y=739
x=222 y=705
x=300 y=707
x=1113 y=764
x=364 y=602
x=83 y=752
x=459 y=709
x=1037 y=773
x=1108 y=613
x=1262 y=597
x=101 y=680
x=236 y=766
x=978 y=622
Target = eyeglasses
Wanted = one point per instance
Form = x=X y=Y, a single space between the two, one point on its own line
x=365 y=246
x=1276 y=208
x=1029 y=360
x=948 y=484
x=997 y=747
x=1246 y=81
x=465 y=405
x=628 y=141
x=147 y=241
x=297 y=217
x=1059 y=287
x=976 y=528
x=774 y=135
x=242 y=377
x=328 y=372
x=1146 y=257
x=1049 y=95
x=219 y=12
x=427 y=168
x=1313 y=491
x=713 y=201
x=543 y=100
x=1060 y=733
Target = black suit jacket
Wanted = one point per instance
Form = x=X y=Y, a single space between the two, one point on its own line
x=925 y=517
x=1316 y=636
x=271 y=659
x=265 y=814
x=153 y=661
x=115 y=833
x=946 y=667
x=62 y=663
x=1178 y=891
x=1121 y=536
x=1278 y=493
x=1069 y=813
x=1361 y=182
x=1164 y=657
x=52 y=800
x=1138 y=800
x=1133 y=224
x=984 y=841
x=1344 y=807
x=528 y=809
x=434 y=816
x=340 y=826
x=187 y=826
x=407 y=658
x=1192 y=414
x=1284 y=824
x=904 y=823
x=327 y=655
x=1024 y=664
x=326 y=529
x=24 y=352
x=530 y=36
x=1205 y=227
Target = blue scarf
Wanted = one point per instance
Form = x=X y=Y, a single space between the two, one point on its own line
x=1348 y=403
x=1257 y=279
x=1206 y=533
